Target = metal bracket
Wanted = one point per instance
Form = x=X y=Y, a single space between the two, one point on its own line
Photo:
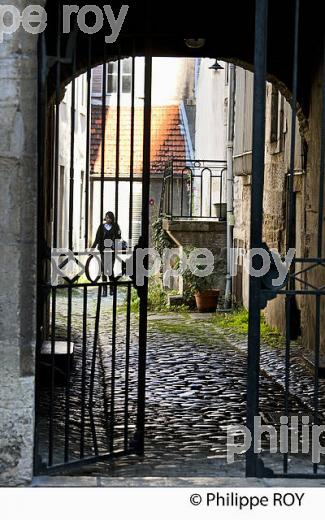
x=268 y=291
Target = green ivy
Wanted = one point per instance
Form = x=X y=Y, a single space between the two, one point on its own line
x=159 y=236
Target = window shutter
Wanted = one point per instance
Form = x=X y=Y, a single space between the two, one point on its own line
x=97 y=81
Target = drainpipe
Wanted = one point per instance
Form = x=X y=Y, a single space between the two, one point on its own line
x=230 y=180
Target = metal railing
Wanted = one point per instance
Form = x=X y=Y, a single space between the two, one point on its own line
x=194 y=189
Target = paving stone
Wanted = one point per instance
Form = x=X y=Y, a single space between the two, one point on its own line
x=62 y=481
x=194 y=392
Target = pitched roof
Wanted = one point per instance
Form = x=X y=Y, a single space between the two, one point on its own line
x=167 y=138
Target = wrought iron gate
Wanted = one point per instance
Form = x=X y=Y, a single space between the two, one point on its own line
x=91 y=351
x=297 y=283
x=100 y=415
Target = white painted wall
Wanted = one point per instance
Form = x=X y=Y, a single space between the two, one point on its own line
x=169 y=79
x=211 y=123
x=79 y=160
x=210 y=135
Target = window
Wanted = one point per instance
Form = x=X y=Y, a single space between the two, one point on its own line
x=226 y=73
x=126 y=76
x=274 y=114
x=276 y=120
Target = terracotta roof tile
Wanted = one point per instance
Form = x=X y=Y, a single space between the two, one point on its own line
x=167 y=140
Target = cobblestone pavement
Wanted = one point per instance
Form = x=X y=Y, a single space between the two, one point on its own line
x=196 y=388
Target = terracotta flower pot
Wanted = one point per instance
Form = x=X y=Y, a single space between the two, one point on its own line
x=207 y=301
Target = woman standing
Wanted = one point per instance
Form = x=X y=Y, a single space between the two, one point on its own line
x=108 y=231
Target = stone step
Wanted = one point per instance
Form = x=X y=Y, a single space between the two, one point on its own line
x=62 y=356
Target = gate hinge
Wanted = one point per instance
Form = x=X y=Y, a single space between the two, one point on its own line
x=268 y=290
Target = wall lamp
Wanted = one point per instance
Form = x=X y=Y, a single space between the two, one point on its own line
x=216 y=66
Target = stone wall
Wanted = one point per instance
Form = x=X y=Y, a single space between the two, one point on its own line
x=202 y=234
x=18 y=204
x=277 y=164
x=309 y=228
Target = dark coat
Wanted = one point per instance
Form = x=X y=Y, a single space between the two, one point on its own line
x=102 y=234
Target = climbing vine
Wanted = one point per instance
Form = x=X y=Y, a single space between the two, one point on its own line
x=159 y=236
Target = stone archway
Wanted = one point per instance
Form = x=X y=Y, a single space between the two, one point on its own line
x=232 y=41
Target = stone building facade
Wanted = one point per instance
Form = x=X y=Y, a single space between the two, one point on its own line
x=18 y=229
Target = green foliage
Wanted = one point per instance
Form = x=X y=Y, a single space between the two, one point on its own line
x=176 y=327
x=237 y=321
x=160 y=237
x=157 y=297
x=193 y=284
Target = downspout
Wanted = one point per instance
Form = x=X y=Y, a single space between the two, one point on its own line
x=230 y=180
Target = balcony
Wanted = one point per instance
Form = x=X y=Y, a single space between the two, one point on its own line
x=194 y=190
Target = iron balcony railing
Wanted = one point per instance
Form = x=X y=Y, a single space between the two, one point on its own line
x=194 y=189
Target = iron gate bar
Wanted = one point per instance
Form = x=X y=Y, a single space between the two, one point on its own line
x=172 y=194
x=67 y=371
x=131 y=149
x=191 y=191
x=42 y=103
x=86 y=230
x=83 y=372
x=130 y=244
x=210 y=186
x=307 y=284
x=117 y=138
x=92 y=374
x=105 y=398
x=92 y=284
x=144 y=243
x=296 y=291
x=314 y=260
x=290 y=216
x=112 y=411
x=127 y=367
x=316 y=372
x=87 y=461
x=101 y=214
x=88 y=124
x=71 y=211
x=103 y=129
x=253 y=368
x=55 y=230
x=322 y=168
x=287 y=369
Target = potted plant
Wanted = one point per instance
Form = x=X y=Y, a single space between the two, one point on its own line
x=202 y=290
x=206 y=297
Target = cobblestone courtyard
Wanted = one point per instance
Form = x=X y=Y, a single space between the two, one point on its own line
x=196 y=388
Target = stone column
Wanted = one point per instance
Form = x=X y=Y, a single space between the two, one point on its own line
x=18 y=207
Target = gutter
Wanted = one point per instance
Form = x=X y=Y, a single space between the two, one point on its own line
x=230 y=180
